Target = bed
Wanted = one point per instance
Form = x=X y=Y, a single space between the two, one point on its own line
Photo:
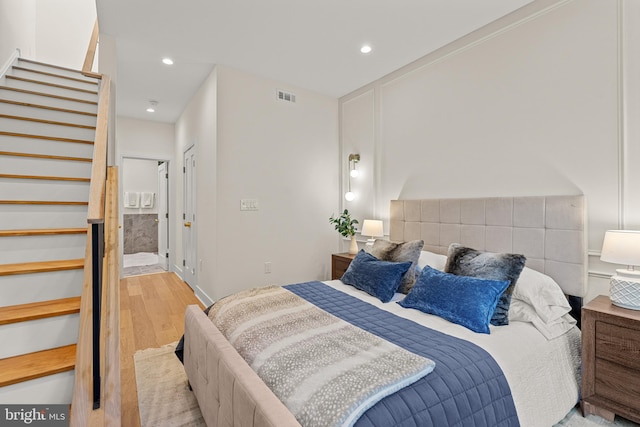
x=524 y=373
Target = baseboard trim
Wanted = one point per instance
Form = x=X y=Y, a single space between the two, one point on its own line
x=203 y=297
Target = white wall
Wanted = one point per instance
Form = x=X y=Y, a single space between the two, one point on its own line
x=140 y=176
x=78 y=16
x=17 y=28
x=524 y=107
x=284 y=155
x=40 y=27
x=197 y=126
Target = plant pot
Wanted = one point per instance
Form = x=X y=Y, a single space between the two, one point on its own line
x=353 y=247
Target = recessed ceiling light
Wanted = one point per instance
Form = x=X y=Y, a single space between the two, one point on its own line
x=365 y=49
x=167 y=61
x=150 y=110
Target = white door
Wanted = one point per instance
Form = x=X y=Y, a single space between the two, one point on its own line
x=189 y=218
x=163 y=215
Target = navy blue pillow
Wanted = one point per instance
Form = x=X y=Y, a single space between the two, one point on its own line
x=467 y=301
x=377 y=278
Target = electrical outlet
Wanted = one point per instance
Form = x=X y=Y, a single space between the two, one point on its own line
x=267 y=267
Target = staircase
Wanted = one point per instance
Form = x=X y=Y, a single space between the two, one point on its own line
x=47 y=129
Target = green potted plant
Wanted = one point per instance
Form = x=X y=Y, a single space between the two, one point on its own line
x=347 y=228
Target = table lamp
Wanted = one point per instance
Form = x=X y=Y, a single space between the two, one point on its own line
x=371 y=228
x=623 y=247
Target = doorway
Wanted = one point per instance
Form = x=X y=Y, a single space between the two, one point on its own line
x=144 y=216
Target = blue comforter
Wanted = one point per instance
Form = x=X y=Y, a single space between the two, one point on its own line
x=466 y=388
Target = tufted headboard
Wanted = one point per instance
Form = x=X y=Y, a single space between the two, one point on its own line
x=549 y=231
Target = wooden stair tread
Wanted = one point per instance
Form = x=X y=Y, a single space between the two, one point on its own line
x=35 y=365
x=57 y=86
x=46 y=178
x=41 y=202
x=39 y=310
x=46 y=107
x=48 y=95
x=47 y=122
x=31 y=61
x=50 y=138
x=41 y=266
x=42 y=232
x=46 y=156
x=44 y=73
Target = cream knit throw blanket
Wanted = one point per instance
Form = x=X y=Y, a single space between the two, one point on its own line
x=325 y=370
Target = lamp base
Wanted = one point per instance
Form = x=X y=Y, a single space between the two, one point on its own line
x=625 y=289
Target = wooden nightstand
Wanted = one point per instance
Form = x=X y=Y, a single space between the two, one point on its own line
x=610 y=360
x=339 y=264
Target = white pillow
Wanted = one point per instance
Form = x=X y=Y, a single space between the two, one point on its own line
x=431 y=259
x=542 y=293
x=523 y=312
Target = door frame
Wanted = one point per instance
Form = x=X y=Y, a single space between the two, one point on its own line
x=190 y=278
x=122 y=158
x=163 y=181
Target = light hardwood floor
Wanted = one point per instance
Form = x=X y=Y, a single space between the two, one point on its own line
x=151 y=315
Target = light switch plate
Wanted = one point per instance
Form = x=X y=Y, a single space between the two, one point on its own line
x=249 y=204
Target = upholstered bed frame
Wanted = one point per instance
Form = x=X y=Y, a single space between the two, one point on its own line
x=548 y=230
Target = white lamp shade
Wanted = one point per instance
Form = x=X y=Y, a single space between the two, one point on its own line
x=621 y=247
x=372 y=227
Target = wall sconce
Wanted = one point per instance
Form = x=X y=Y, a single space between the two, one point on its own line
x=353 y=173
x=623 y=247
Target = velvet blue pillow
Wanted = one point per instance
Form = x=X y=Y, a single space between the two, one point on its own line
x=465 y=261
x=467 y=301
x=377 y=278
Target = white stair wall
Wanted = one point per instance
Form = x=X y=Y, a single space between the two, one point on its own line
x=25 y=288
x=50 y=390
x=65 y=90
x=47 y=114
x=17 y=165
x=20 y=249
x=22 y=216
x=37 y=189
x=37 y=335
x=46 y=129
x=43 y=146
x=39 y=98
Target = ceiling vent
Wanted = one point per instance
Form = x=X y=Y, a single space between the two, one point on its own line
x=285 y=96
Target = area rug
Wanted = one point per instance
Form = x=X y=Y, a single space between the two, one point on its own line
x=165 y=400
x=575 y=419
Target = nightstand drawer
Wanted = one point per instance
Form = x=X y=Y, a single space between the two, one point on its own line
x=610 y=360
x=618 y=384
x=339 y=264
x=618 y=344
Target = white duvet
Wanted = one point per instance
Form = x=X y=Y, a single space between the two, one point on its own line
x=544 y=375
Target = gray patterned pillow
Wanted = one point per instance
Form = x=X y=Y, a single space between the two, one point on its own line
x=464 y=261
x=400 y=252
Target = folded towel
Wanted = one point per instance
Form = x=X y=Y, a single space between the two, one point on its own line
x=146 y=200
x=130 y=199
